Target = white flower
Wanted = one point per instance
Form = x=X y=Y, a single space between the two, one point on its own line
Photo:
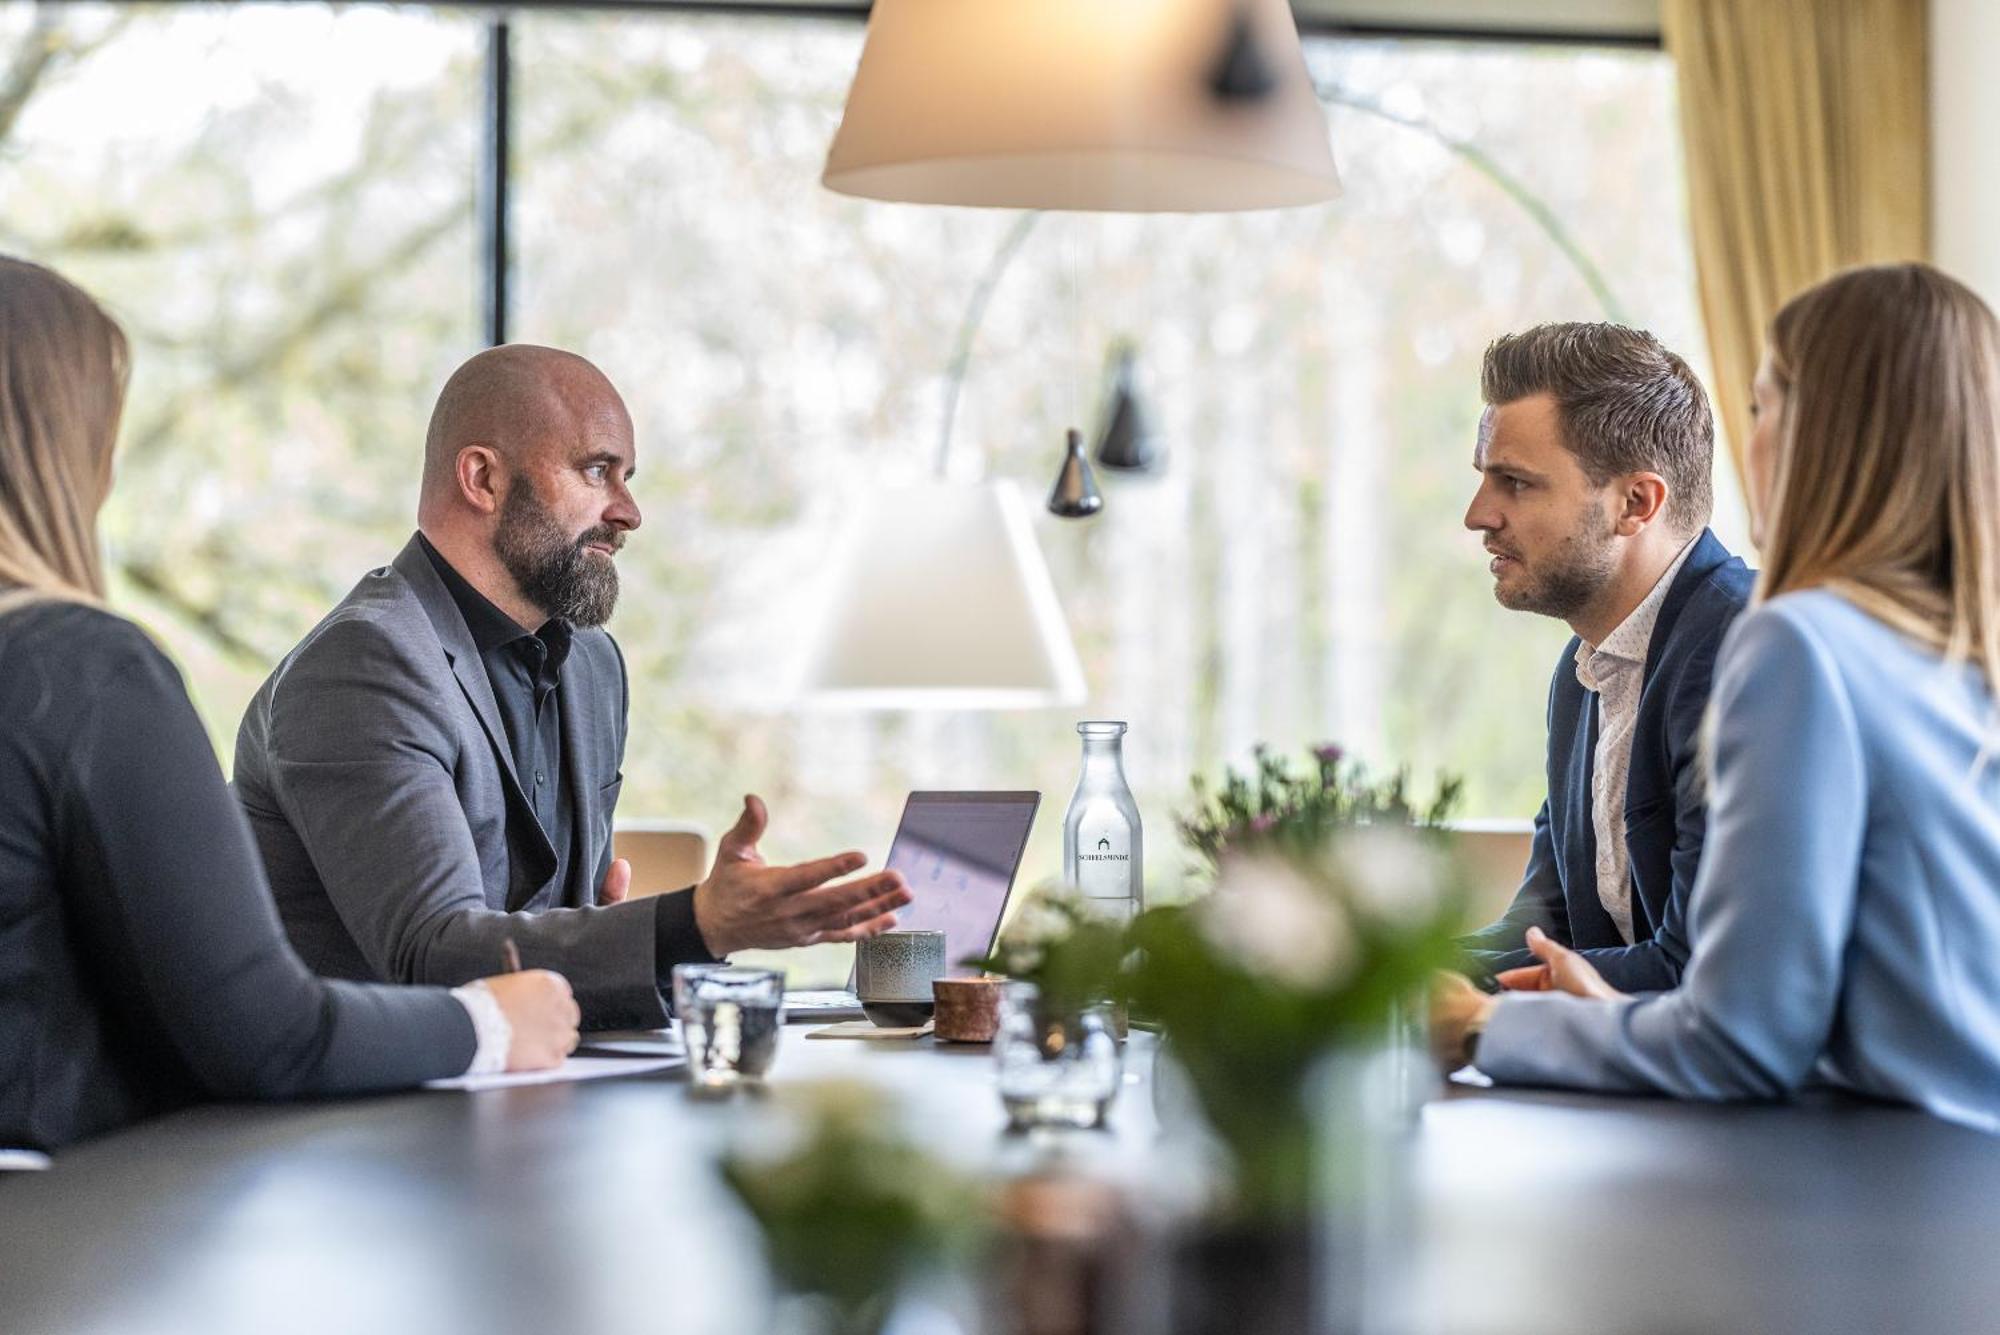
x=1397 y=876
x=1268 y=917
x=1036 y=923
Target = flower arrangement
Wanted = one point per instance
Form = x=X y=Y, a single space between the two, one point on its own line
x=851 y=1211
x=1334 y=898
x=1278 y=807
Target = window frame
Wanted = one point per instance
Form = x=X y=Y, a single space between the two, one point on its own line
x=1599 y=23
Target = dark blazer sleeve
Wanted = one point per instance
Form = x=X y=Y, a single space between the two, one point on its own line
x=362 y=767
x=1538 y=903
x=175 y=899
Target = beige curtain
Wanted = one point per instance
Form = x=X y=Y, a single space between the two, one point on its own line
x=1808 y=149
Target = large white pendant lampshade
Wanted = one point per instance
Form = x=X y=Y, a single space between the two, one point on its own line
x=941 y=600
x=1109 y=105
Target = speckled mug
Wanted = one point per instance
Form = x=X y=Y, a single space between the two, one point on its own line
x=893 y=973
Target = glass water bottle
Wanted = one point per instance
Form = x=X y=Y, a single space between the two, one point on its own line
x=1101 y=839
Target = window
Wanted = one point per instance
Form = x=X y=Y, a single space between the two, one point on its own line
x=290 y=237
x=1298 y=574
x=287 y=236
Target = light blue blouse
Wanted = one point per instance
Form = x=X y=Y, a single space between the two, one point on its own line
x=1845 y=922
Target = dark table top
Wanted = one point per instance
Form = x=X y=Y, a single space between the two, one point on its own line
x=593 y=1207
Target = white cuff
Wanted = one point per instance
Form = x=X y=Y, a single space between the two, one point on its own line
x=489 y=1026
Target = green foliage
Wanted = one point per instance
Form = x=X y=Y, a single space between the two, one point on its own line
x=853 y=1210
x=1279 y=808
x=1334 y=900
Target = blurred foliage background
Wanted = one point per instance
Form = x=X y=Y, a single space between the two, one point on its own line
x=288 y=233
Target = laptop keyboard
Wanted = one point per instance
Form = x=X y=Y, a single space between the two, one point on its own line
x=820 y=999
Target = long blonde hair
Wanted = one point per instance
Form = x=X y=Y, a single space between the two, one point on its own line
x=1887 y=481
x=63 y=368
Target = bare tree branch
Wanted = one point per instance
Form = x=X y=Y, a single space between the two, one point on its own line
x=49 y=42
x=383 y=153
x=347 y=296
x=31 y=61
x=153 y=581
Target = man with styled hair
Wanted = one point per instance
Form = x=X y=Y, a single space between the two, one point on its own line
x=1595 y=455
x=431 y=774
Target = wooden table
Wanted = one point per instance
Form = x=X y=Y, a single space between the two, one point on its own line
x=593 y=1207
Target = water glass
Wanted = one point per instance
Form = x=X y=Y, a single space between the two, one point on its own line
x=684 y=976
x=730 y=1022
x=1056 y=1067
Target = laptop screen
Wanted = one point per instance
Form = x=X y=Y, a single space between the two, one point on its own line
x=959 y=853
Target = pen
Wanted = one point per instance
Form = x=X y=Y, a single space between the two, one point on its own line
x=510 y=956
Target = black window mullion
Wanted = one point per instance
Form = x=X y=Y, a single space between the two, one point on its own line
x=495 y=167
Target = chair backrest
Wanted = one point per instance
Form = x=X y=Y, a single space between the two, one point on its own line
x=1497 y=853
x=665 y=854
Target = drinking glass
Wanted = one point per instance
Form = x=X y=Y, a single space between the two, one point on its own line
x=730 y=1022
x=684 y=976
x=1056 y=1067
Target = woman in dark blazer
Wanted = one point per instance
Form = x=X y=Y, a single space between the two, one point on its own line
x=141 y=962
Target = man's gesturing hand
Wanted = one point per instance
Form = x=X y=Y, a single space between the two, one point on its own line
x=746 y=905
x=617 y=882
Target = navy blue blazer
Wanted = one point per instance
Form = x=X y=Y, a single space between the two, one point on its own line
x=1665 y=802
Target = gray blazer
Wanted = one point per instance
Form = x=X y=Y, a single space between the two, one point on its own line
x=400 y=845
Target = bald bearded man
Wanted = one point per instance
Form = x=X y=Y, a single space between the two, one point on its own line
x=431 y=773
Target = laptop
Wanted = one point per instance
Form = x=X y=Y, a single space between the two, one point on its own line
x=959 y=853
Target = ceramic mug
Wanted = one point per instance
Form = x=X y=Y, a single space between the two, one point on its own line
x=893 y=973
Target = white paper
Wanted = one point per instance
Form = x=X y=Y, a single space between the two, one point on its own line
x=868 y=1029
x=633 y=1043
x=575 y=1068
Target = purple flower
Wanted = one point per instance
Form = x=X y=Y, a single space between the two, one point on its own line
x=1264 y=824
x=1329 y=753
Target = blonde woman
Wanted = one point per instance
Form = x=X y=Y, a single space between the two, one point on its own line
x=1846 y=918
x=141 y=963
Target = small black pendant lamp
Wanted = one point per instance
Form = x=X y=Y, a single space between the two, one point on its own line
x=1125 y=441
x=1075 y=495
x=1241 y=73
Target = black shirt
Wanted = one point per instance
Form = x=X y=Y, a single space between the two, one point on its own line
x=142 y=966
x=525 y=669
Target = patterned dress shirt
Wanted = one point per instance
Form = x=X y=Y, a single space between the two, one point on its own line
x=1616 y=670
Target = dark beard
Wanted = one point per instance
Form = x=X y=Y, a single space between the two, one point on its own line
x=1570 y=578
x=552 y=570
